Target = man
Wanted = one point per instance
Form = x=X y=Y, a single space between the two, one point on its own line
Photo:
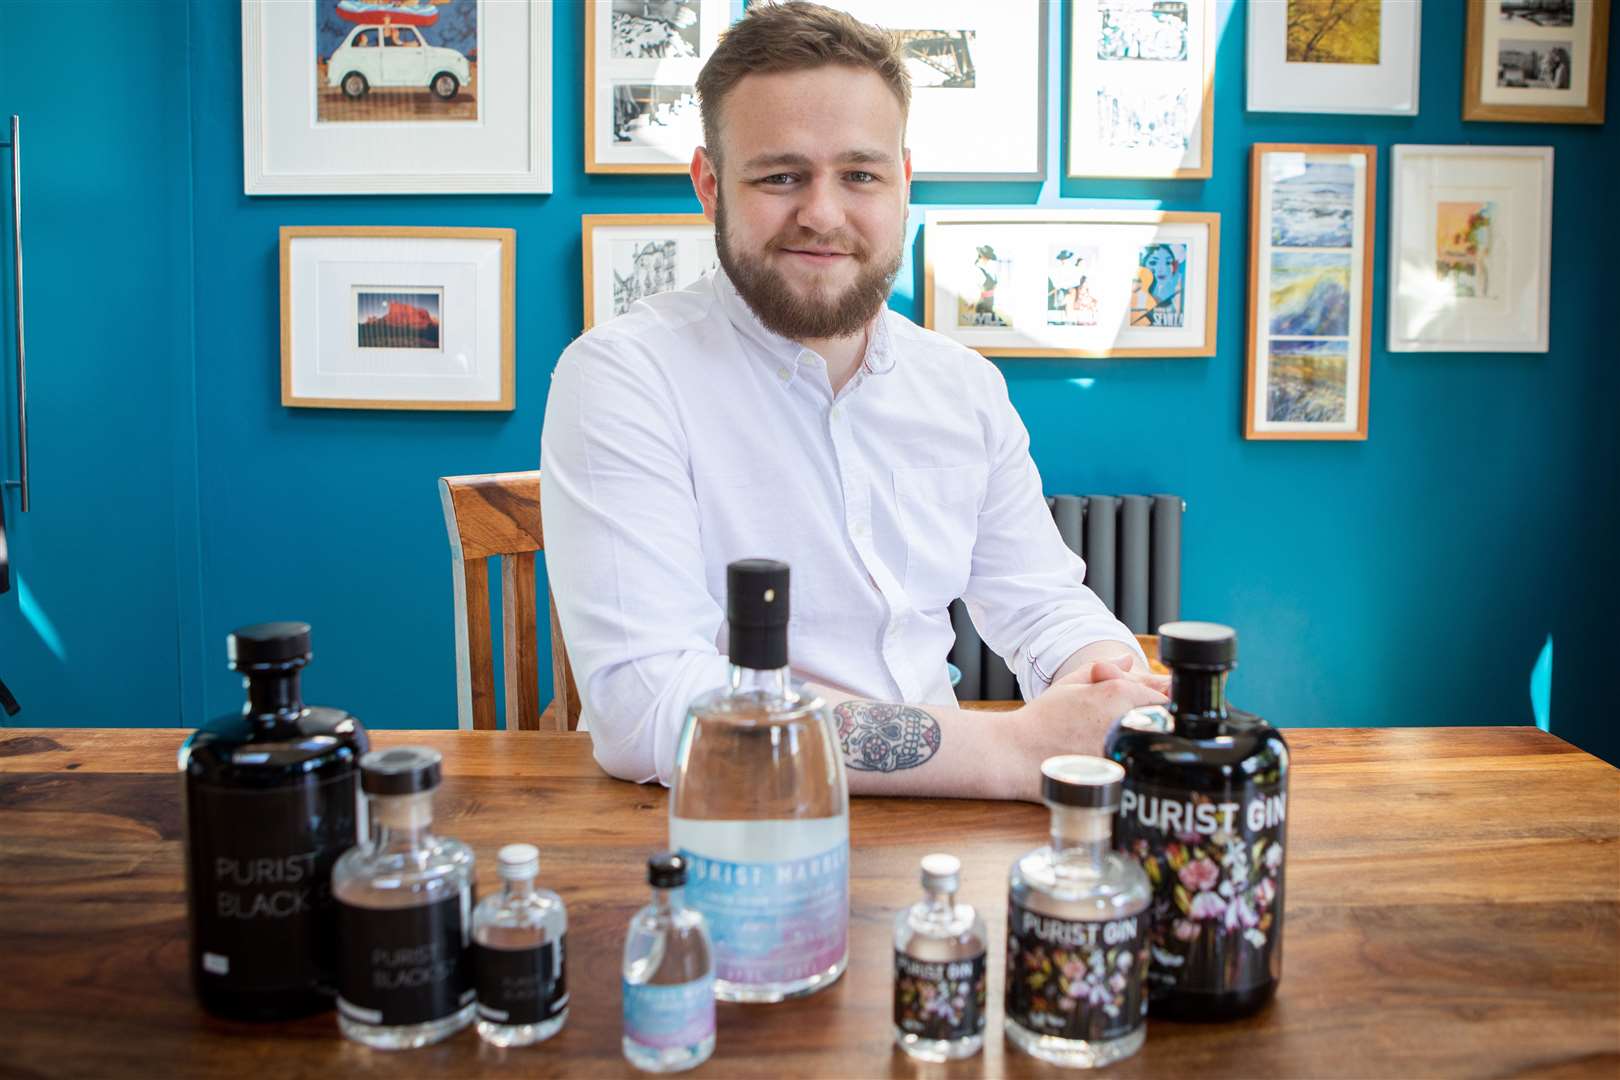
x=778 y=409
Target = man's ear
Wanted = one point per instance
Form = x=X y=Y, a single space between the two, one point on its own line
x=905 y=157
x=705 y=181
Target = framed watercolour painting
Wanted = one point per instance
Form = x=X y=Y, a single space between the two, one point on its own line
x=1310 y=291
x=376 y=317
x=1470 y=247
x=1536 y=61
x=631 y=256
x=642 y=59
x=358 y=97
x=1334 y=56
x=1141 y=88
x=1073 y=282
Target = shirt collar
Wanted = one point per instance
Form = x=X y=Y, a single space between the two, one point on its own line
x=785 y=354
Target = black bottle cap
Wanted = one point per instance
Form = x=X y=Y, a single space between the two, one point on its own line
x=271 y=643
x=666 y=870
x=1198 y=645
x=402 y=770
x=757 y=611
x=1081 y=780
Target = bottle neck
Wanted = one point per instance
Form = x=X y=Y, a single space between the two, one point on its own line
x=774 y=684
x=941 y=905
x=515 y=891
x=273 y=697
x=665 y=901
x=401 y=823
x=1081 y=837
x=1198 y=701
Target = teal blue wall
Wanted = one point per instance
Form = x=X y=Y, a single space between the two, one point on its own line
x=1409 y=579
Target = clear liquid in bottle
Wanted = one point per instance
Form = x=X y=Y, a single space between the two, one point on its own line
x=939 y=967
x=668 y=977
x=518 y=942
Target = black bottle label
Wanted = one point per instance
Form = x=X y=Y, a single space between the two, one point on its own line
x=405 y=965
x=522 y=986
x=261 y=882
x=939 y=999
x=1076 y=979
x=1216 y=864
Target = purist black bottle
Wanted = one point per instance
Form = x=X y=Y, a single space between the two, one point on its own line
x=1205 y=809
x=271 y=799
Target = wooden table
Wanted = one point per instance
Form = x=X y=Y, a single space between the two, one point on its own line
x=1453 y=909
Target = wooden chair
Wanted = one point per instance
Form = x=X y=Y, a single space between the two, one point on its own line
x=498 y=514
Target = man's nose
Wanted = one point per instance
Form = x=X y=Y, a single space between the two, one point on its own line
x=822 y=208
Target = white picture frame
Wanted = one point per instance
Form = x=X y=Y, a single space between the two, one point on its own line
x=302 y=136
x=1370 y=70
x=1470 y=248
x=631 y=256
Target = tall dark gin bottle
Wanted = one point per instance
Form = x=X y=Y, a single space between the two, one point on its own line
x=270 y=801
x=1205 y=809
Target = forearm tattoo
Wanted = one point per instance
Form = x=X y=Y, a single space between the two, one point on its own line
x=880 y=737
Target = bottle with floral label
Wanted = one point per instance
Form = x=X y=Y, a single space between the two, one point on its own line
x=939 y=954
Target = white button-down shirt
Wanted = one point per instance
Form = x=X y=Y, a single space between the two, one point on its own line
x=684 y=435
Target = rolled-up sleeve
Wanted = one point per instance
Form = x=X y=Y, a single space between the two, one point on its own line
x=623 y=555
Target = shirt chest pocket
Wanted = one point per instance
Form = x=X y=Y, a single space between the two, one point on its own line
x=938 y=509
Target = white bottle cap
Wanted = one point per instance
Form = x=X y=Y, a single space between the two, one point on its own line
x=518 y=862
x=941 y=872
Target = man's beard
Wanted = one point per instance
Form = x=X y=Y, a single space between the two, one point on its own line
x=817 y=316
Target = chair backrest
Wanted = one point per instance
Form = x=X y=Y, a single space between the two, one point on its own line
x=498 y=514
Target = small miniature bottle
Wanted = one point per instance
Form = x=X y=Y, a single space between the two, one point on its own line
x=405 y=899
x=518 y=940
x=271 y=800
x=939 y=954
x=1077 y=927
x=1205 y=810
x=668 y=977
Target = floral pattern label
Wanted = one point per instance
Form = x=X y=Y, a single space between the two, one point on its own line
x=1216 y=864
x=669 y=1017
x=939 y=999
x=1075 y=979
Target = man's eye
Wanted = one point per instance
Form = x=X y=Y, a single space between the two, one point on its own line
x=778 y=179
x=861 y=177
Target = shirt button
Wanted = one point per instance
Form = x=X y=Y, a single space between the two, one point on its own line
x=782 y=373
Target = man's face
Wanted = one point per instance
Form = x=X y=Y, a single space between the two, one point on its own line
x=809 y=202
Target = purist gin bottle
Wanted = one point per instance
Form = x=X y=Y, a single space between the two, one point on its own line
x=405 y=898
x=271 y=800
x=760 y=809
x=668 y=977
x=939 y=960
x=1205 y=809
x=518 y=937
x=1077 y=927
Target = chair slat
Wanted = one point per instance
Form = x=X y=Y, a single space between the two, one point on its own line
x=519 y=649
x=565 y=695
x=480 y=654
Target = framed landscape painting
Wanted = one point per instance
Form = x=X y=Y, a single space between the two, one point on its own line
x=1310 y=291
x=1470 y=248
x=1536 y=61
x=1334 y=56
x=1034 y=283
x=628 y=257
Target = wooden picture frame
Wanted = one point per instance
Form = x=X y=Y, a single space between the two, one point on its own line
x=331 y=321
x=1311 y=214
x=604 y=239
x=1496 y=39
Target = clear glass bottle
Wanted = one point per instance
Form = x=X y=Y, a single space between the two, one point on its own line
x=1205 y=810
x=518 y=941
x=939 y=963
x=759 y=809
x=405 y=899
x=668 y=977
x=1077 y=927
x=272 y=798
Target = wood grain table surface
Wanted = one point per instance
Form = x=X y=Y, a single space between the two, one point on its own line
x=1453 y=910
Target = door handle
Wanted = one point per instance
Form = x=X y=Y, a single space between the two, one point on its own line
x=15 y=144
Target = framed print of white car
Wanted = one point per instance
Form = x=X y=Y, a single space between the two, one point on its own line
x=395 y=57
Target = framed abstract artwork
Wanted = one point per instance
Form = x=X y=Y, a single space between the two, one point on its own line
x=379 y=317
x=1310 y=291
x=1536 y=61
x=364 y=97
x=1470 y=248
x=1334 y=56
x=1141 y=88
x=1034 y=283
x=631 y=256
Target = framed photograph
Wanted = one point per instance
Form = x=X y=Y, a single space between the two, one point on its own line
x=978 y=84
x=1032 y=283
x=631 y=256
x=379 y=317
x=1470 y=247
x=642 y=59
x=1536 y=61
x=366 y=97
x=1141 y=88
x=1310 y=290
x=1334 y=56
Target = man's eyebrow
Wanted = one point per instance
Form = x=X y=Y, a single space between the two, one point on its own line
x=800 y=161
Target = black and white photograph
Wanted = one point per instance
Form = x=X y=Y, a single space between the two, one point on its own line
x=657 y=116
x=1539 y=65
x=938 y=58
x=641 y=268
x=655 y=30
x=642 y=61
x=1538 y=12
x=630 y=257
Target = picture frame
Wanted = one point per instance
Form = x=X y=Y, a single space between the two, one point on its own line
x=975 y=68
x=1311 y=213
x=1334 y=56
x=398 y=317
x=1536 y=61
x=627 y=257
x=1141 y=89
x=322 y=116
x=1084 y=282
x=1470 y=248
